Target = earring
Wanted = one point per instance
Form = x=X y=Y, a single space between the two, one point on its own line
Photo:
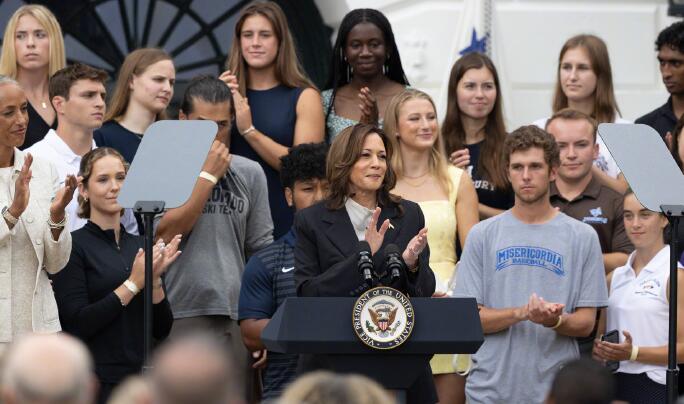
x=85 y=199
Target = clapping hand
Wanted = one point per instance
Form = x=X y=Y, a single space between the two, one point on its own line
x=609 y=351
x=164 y=255
x=375 y=236
x=542 y=312
x=368 y=107
x=21 y=188
x=63 y=197
x=243 y=114
x=414 y=248
x=460 y=158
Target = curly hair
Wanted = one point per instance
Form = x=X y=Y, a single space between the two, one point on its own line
x=672 y=36
x=527 y=137
x=303 y=162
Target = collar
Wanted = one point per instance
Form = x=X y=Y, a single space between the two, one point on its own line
x=19 y=156
x=358 y=214
x=106 y=234
x=667 y=110
x=59 y=145
x=658 y=262
x=592 y=190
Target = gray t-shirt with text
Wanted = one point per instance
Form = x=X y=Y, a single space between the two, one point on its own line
x=504 y=261
x=235 y=222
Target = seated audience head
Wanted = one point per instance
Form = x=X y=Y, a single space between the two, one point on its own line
x=208 y=98
x=585 y=77
x=33 y=41
x=78 y=93
x=145 y=81
x=48 y=369
x=262 y=41
x=103 y=171
x=582 y=381
x=670 y=48
x=324 y=387
x=357 y=164
x=645 y=228
x=302 y=173
x=411 y=123
x=474 y=97
x=575 y=134
x=13 y=113
x=133 y=390
x=532 y=158
x=365 y=31
x=194 y=368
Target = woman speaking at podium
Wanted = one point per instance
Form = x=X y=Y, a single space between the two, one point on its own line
x=359 y=208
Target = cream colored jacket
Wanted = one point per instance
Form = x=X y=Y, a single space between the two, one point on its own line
x=52 y=255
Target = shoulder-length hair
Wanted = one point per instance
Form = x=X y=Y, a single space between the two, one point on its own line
x=339 y=66
x=344 y=152
x=605 y=105
x=135 y=64
x=56 y=58
x=489 y=164
x=288 y=69
x=437 y=164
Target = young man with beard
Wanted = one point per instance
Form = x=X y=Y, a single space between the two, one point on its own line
x=670 y=48
x=269 y=274
x=537 y=277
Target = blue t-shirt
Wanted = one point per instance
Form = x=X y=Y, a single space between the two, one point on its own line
x=274 y=113
x=267 y=281
x=113 y=135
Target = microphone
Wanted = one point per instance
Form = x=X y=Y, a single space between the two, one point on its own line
x=393 y=260
x=365 y=264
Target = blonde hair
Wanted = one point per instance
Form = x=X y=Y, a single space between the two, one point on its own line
x=135 y=64
x=322 y=387
x=56 y=59
x=437 y=164
x=288 y=70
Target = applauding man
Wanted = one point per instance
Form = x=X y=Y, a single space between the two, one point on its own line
x=537 y=276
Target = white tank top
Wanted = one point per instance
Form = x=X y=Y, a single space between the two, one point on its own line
x=639 y=306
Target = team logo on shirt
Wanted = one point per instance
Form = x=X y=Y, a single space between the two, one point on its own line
x=596 y=216
x=383 y=318
x=648 y=287
x=530 y=256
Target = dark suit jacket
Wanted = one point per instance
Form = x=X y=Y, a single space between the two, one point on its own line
x=326 y=252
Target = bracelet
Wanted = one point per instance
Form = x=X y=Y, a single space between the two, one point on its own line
x=208 y=177
x=131 y=286
x=635 y=353
x=57 y=226
x=248 y=130
x=558 y=324
x=8 y=216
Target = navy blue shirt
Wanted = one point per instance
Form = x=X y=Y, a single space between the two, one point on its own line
x=274 y=113
x=487 y=193
x=268 y=280
x=662 y=119
x=113 y=135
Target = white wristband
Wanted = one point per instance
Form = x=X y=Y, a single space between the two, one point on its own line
x=131 y=286
x=248 y=131
x=208 y=177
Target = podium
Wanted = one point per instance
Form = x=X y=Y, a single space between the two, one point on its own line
x=322 y=326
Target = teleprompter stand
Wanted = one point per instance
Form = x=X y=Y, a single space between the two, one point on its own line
x=658 y=184
x=323 y=326
x=162 y=175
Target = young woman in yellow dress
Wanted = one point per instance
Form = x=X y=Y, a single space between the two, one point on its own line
x=446 y=196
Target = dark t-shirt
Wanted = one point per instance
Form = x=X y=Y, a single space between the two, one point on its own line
x=662 y=119
x=113 y=135
x=267 y=281
x=37 y=128
x=274 y=113
x=487 y=193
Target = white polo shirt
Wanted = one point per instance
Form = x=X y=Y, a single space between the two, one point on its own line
x=53 y=149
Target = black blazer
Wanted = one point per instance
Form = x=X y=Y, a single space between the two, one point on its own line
x=326 y=252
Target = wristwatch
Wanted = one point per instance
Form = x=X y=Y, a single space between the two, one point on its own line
x=8 y=216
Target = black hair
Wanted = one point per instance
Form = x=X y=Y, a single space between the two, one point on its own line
x=205 y=88
x=597 y=385
x=672 y=36
x=338 y=73
x=303 y=162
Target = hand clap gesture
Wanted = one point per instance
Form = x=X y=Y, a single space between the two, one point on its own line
x=414 y=248
x=542 y=312
x=608 y=351
x=21 y=188
x=63 y=197
x=368 y=107
x=243 y=114
x=460 y=158
x=375 y=236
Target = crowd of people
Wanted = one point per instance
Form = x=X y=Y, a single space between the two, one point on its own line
x=537 y=224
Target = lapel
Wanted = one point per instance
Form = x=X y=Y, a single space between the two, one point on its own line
x=340 y=231
x=391 y=213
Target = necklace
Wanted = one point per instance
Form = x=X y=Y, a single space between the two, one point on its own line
x=416 y=184
x=417 y=176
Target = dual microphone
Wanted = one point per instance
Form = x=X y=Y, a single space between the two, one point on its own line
x=392 y=261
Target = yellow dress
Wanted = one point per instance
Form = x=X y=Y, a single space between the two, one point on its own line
x=440 y=219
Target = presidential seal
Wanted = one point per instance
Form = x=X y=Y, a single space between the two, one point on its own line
x=383 y=318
